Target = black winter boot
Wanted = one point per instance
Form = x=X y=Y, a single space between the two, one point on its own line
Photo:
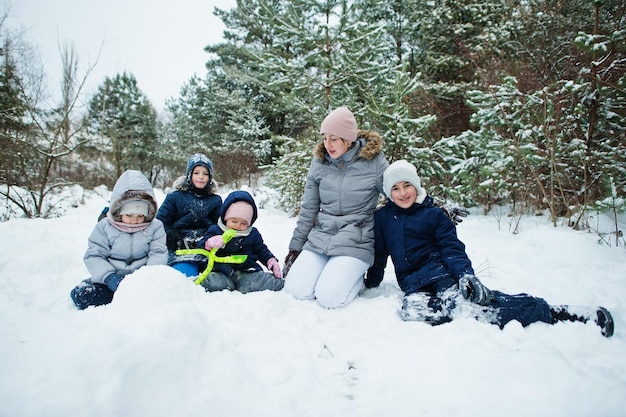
x=601 y=316
x=605 y=321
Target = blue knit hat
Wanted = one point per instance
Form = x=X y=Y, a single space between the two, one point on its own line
x=199 y=159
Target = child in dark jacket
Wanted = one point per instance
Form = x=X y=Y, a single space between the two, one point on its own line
x=127 y=238
x=433 y=270
x=239 y=212
x=188 y=211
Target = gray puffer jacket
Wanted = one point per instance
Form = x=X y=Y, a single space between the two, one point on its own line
x=111 y=250
x=339 y=201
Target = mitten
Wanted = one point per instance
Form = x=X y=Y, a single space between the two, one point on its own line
x=474 y=291
x=289 y=260
x=273 y=266
x=103 y=214
x=113 y=281
x=216 y=241
x=372 y=279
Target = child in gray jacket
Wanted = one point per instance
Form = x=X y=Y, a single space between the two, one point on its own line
x=128 y=238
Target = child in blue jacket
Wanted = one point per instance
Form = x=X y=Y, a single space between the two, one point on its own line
x=239 y=212
x=188 y=211
x=433 y=270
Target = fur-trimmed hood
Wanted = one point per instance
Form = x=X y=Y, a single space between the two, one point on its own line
x=185 y=184
x=182 y=183
x=371 y=144
x=132 y=185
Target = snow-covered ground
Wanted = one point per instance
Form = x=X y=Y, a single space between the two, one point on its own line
x=164 y=347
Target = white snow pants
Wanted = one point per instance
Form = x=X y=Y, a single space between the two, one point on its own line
x=333 y=281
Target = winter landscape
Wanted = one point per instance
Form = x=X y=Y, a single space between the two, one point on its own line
x=164 y=347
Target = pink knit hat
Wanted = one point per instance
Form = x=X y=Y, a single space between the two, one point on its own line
x=239 y=209
x=340 y=122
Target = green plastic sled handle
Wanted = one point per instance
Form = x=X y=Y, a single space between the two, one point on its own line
x=212 y=257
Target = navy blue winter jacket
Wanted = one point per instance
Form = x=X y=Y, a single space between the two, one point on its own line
x=422 y=243
x=187 y=213
x=248 y=242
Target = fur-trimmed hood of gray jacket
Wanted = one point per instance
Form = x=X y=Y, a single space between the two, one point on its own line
x=373 y=146
x=132 y=185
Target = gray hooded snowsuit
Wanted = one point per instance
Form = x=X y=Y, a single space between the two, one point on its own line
x=113 y=251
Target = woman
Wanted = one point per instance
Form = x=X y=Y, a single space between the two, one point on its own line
x=333 y=243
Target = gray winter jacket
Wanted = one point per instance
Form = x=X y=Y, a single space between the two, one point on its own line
x=340 y=197
x=111 y=250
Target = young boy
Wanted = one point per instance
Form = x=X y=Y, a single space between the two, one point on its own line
x=188 y=211
x=433 y=270
x=126 y=239
x=239 y=212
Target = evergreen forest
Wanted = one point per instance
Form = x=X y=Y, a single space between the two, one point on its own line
x=516 y=104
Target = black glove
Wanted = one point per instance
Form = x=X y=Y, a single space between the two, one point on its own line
x=182 y=239
x=289 y=260
x=454 y=213
x=474 y=291
x=372 y=278
x=172 y=239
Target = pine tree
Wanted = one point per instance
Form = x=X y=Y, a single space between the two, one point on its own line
x=125 y=124
x=451 y=42
x=13 y=109
x=317 y=56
